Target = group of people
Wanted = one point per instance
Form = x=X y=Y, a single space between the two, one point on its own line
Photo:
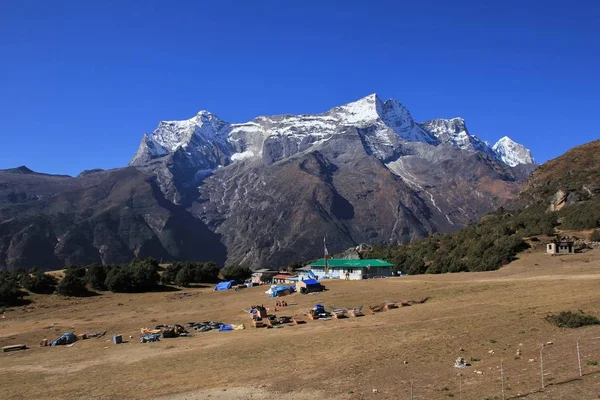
x=281 y=303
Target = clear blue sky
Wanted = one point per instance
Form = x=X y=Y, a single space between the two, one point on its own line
x=81 y=81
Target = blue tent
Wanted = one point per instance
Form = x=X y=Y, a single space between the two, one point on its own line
x=65 y=338
x=277 y=289
x=224 y=285
x=311 y=282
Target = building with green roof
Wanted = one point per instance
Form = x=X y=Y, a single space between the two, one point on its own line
x=351 y=269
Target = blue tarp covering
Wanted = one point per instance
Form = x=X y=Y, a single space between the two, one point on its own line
x=312 y=275
x=225 y=328
x=66 y=338
x=224 y=285
x=275 y=290
x=311 y=282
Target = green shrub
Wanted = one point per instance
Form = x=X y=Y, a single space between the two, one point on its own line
x=595 y=236
x=37 y=281
x=185 y=277
x=592 y=362
x=95 y=276
x=10 y=294
x=139 y=276
x=568 y=319
x=236 y=273
x=72 y=284
x=197 y=272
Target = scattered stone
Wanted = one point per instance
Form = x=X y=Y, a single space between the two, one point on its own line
x=375 y=391
x=461 y=349
x=491 y=351
x=460 y=363
x=531 y=360
x=549 y=343
x=479 y=372
x=405 y=362
x=518 y=352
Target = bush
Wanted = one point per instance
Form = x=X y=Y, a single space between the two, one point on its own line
x=185 y=276
x=207 y=273
x=196 y=272
x=75 y=270
x=72 y=284
x=10 y=294
x=118 y=280
x=38 y=282
x=568 y=319
x=95 y=276
x=595 y=236
x=236 y=273
x=139 y=276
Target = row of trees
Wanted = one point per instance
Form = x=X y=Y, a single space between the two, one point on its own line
x=186 y=273
x=137 y=276
x=482 y=246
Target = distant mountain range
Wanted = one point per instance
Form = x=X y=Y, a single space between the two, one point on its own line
x=264 y=192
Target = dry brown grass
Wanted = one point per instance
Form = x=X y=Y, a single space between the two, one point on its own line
x=344 y=359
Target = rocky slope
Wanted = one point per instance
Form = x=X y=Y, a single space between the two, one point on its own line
x=264 y=192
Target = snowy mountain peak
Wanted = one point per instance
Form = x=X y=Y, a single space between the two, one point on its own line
x=512 y=153
x=207 y=142
x=362 y=111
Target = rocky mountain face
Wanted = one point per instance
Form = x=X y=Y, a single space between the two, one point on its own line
x=264 y=192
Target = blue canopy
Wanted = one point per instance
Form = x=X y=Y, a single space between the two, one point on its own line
x=311 y=282
x=224 y=285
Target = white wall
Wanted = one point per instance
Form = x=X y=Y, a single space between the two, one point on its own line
x=356 y=274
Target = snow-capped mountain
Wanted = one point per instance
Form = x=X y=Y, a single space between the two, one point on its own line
x=365 y=167
x=207 y=142
x=512 y=153
x=261 y=193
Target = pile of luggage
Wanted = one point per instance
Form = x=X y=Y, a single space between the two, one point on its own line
x=164 y=331
x=205 y=326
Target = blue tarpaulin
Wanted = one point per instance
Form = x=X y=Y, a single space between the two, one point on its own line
x=66 y=338
x=225 y=328
x=224 y=285
x=276 y=289
x=311 y=282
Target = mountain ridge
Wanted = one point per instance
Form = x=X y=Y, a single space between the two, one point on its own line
x=264 y=192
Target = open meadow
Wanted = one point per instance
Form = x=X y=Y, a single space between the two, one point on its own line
x=485 y=318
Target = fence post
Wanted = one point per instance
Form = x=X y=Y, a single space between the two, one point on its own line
x=542 y=363
x=579 y=358
x=411 y=390
x=459 y=386
x=502 y=376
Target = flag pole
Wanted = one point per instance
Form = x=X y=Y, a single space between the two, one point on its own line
x=326 y=255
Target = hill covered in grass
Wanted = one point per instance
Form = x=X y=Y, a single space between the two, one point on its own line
x=563 y=193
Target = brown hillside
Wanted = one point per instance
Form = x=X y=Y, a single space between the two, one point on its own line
x=484 y=317
x=577 y=172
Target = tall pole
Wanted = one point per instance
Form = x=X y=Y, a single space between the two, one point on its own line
x=542 y=363
x=411 y=390
x=502 y=376
x=579 y=358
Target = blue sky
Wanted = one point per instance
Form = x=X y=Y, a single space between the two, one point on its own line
x=80 y=82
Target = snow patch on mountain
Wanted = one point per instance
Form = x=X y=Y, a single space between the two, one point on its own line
x=242 y=156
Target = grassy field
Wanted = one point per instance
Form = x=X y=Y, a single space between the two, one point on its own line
x=483 y=317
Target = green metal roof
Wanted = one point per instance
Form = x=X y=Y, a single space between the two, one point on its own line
x=336 y=263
